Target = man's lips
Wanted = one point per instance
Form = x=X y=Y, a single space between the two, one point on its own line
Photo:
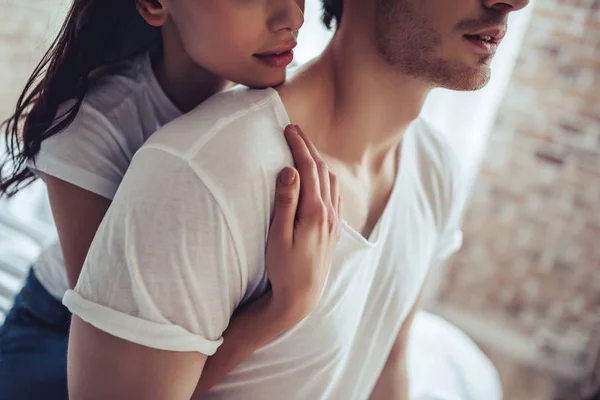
x=490 y=35
x=485 y=40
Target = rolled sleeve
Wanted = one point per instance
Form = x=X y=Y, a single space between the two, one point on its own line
x=147 y=333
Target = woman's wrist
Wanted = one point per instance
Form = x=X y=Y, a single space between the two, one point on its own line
x=265 y=319
x=288 y=308
x=250 y=328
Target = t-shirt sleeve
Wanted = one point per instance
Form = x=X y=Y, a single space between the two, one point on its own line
x=450 y=242
x=451 y=237
x=162 y=270
x=90 y=153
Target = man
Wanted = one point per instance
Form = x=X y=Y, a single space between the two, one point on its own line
x=186 y=233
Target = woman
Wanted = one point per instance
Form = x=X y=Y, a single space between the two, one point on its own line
x=119 y=70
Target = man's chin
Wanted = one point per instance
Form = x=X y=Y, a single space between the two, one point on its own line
x=469 y=80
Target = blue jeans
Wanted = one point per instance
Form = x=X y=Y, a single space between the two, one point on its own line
x=33 y=346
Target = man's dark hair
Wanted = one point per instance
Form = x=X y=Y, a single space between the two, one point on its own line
x=332 y=10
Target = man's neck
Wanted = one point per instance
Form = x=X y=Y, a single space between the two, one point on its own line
x=351 y=103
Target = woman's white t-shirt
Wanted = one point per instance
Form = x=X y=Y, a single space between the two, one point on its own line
x=93 y=153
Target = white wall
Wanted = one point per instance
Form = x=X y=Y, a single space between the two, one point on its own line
x=313 y=36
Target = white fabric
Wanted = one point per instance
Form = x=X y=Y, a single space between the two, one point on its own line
x=183 y=245
x=93 y=153
x=444 y=364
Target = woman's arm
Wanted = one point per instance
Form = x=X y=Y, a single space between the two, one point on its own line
x=77 y=214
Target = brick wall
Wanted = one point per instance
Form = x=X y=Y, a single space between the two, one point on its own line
x=531 y=258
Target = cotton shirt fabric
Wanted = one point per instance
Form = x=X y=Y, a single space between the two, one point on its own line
x=183 y=245
x=117 y=116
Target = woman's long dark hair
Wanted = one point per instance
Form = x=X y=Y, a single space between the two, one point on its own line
x=96 y=35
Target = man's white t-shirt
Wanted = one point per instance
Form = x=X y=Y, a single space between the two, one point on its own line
x=93 y=153
x=183 y=245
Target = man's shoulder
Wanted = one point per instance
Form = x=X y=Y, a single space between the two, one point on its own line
x=436 y=152
x=233 y=147
x=220 y=123
x=439 y=169
x=234 y=143
x=435 y=145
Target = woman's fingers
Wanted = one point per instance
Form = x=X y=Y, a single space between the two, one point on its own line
x=322 y=168
x=287 y=192
x=319 y=189
x=335 y=199
x=310 y=189
x=334 y=190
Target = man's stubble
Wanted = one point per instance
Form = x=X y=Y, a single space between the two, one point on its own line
x=408 y=41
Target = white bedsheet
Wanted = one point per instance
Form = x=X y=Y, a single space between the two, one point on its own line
x=445 y=364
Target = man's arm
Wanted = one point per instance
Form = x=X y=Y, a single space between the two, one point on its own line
x=393 y=381
x=101 y=366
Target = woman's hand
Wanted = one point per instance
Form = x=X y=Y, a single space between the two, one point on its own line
x=305 y=229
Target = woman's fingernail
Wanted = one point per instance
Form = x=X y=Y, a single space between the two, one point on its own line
x=292 y=129
x=287 y=176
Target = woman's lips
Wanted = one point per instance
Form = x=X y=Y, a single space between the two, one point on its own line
x=276 y=60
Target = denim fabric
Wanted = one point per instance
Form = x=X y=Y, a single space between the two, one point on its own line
x=33 y=346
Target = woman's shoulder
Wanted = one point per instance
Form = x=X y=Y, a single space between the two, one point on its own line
x=120 y=111
x=126 y=86
x=111 y=124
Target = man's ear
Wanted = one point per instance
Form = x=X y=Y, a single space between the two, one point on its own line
x=154 y=12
